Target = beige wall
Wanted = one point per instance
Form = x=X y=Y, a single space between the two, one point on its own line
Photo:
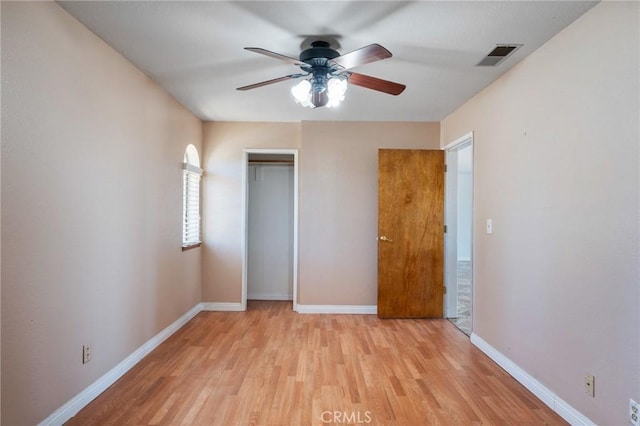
x=223 y=197
x=339 y=206
x=91 y=197
x=337 y=203
x=556 y=167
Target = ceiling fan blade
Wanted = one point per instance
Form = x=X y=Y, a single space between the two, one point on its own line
x=274 y=55
x=364 y=55
x=265 y=83
x=378 y=84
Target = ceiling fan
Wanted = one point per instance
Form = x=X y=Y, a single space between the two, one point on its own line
x=328 y=73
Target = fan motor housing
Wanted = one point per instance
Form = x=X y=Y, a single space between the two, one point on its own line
x=318 y=49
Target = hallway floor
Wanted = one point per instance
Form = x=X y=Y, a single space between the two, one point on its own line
x=463 y=322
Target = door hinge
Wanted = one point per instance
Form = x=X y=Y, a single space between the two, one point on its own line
x=445 y=229
x=445 y=290
x=445 y=168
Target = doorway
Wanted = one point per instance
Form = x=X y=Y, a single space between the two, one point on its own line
x=270 y=233
x=459 y=240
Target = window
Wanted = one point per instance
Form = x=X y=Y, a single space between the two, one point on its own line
x=191 y=198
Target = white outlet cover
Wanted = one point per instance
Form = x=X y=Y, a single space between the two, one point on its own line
x=589 y=385
x=634 y=420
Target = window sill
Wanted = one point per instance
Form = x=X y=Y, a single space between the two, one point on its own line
x=191 y=246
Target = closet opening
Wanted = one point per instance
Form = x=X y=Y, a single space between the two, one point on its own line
x=271 y=226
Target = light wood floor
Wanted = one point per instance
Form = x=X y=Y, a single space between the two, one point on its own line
x=271 y=366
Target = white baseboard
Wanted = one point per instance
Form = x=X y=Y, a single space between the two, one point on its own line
x=557 y=404
x=222 y=306
x=78 y=402
x=338 y=309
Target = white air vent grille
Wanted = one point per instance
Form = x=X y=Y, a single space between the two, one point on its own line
x=498 y=54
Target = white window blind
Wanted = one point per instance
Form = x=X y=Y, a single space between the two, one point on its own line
x=191 y=205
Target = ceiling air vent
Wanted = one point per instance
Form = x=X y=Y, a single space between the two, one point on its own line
x=499 y=54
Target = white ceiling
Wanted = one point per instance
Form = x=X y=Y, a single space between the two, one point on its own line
x=195 y=50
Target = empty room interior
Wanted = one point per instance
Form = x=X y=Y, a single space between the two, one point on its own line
x=317 y=213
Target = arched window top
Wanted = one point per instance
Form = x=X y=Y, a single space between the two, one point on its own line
x=191 y=156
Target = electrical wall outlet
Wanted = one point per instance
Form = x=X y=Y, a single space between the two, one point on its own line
x=589 y=385
x=634 y=413
x=86 y=353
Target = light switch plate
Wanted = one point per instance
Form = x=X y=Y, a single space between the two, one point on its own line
x=489 y=226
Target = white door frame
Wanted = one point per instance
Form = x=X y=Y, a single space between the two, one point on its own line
x=451 y=242
x=245 y=222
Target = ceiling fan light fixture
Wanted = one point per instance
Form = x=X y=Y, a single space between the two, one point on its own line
x=318 y=92
x=336 y=89
x=302 y=93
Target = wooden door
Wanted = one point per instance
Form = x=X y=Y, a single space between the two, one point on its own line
x=410 y=233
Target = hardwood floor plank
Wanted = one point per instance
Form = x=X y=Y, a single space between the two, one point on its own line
x=192 y=409
x=272 y=366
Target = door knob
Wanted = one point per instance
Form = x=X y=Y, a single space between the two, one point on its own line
x=387 y=239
